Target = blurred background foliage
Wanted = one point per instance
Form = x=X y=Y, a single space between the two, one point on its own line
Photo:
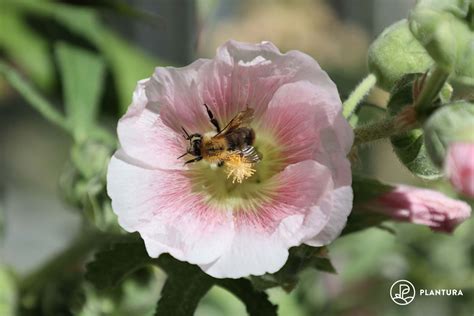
x=81 y=61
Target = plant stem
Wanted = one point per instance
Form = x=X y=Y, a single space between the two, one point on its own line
x=359 y=93
x=374 y=131
x=430 y=91
x=381 y=129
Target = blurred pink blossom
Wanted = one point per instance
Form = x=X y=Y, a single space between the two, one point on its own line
x=300 y=191
x=423 y=206
x=459 y=167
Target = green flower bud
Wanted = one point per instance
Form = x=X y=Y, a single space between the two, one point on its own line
x=452 y=123
x=447 y=38
x=83 y=183
x=458 y=8
x=394 y=53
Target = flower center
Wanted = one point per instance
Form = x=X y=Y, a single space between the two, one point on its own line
x=239 y=184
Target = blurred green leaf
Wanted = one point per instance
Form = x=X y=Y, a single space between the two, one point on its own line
x=82 y=75
x=185 y=286
x=8 y=292
x=128 y=63
x=299 y=259
x=34 y=98
x=188 y=281
x=111 y=266
x=409 y=147
x=256 y=302
x=25 y=48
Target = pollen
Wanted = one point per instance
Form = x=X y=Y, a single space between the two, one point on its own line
x=238 y=168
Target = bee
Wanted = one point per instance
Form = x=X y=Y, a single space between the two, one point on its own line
x=231 y=146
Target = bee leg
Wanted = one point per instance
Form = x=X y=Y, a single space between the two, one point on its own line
x=193 y=160
x=213 y=119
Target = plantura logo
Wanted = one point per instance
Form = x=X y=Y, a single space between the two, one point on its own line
x=402 y=292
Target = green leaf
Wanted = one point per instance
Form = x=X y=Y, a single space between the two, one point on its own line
x=110 y=267
x=300 y=258
x=366 y=189
x=360 y=219
x=82 y=75
x=409 y=147
x=26 y=48
x=184 y=288
x=128 y=63
x=324 y=264
x=256 y=302
x=394 y=53
x=34 y=98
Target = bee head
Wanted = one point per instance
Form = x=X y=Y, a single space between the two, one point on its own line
x=194 y=147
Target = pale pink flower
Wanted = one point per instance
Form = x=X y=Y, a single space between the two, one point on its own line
x=459 y=167
x=300 y=191
x=423 y=206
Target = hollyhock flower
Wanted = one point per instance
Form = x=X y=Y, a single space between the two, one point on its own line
x=423 y=206
x=299 y=192
x=459 y=167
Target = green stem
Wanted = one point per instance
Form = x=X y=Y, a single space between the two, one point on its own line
x=378 y=130
x=431 y=89
x=359 y=93
x=33 y=97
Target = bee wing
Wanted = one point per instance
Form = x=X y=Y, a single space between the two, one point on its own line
x=242 y=118
x=250 y=154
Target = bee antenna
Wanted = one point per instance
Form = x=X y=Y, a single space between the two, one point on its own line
x=185 y=133
x=182 y=155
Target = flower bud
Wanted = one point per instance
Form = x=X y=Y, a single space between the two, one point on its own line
x=452 y=123
x=459 y=167
x=447 y=38
x=394 y=53
x=424 y=207
x=83 y=183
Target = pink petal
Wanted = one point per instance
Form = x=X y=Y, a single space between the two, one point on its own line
x=301 y=116
x=176 y=91
x=144 y=137
x=170 y=218
x=340 y=210
x=242 y=75
x=459 y=167
x=298 y=211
